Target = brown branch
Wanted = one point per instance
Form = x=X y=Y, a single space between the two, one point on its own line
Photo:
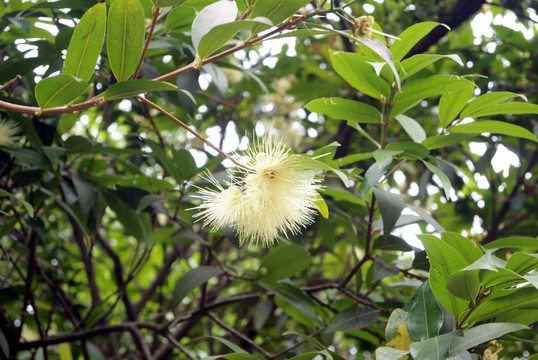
x=237 y=333
x=87 y=334
x=186 y=127
x=180 y=347
x=156 y=14
x=458 y=14
x=140 y=341
x=10 y=83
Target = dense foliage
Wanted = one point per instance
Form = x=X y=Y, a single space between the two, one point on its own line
x=114 y=116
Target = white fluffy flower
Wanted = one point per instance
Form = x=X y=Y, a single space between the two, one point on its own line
x=270 y=195
x=8 y=130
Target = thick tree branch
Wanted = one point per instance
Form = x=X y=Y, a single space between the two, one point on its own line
x=460 y=12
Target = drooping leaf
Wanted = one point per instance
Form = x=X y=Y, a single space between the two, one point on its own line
x=425 y=316
x=494 y=127
x=445 y=181
x=86 y=43
x=391 y=206
x=372 y=176
x=218 y=13
x=480 y=334
x=343 y=109
x=284 y=261
x=381 y=50
x=275 y=10
x=193 y=279
x=353 y=318
x=412 y=128
x=59 y=90
x=125 y=37
x=126 y=89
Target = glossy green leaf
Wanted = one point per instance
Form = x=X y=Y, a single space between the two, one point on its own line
x=284 y=261
x=136 y=225
x=381 y=50
x=418 y=62
x=193 y=279
x=425 y=316
x=383 y=269
x=480 y=334
x=441 y=141
x=391 y=206
x=436 y=348
x=86 y=43
x=415 y=91
x=125 y=37
x=411 y=150
x=179 y=17
x=304 y=162
x=218 y=13
x=494 y=127
x=165 y=3
x=126 y=89
x=444 y=260
x=464 y=284
x=412 y=128
x=165 y=161
x=388 y=353
x=519 y=316
x=59 y=90
x=452 y=102
x=514 y=242
x=343 y=109
x=355 y=69
x=275 y=10
x=391 y=242
x=503 y=301
x=522 y=263
x=486 y=101
x=410 y=36
x=372 y=176
x=468 y=249
x=382 y=155
x=29 y=157
x=353 y=318
x=322 y=207
x=445 y=181
x=500 y=278
x=220 y=34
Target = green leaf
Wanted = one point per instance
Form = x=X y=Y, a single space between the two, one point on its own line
x=494 y=127
x=307 y=163
x=53 y=153
x=418 y=62
x=59 y=90
x=275 y=10
x=219 y=35
x=383 y=269
x=284 y=261
x=381 y=50
x=442 y=141
x=355 y=69
x=436 y=348
x=322 y=207
x=387 y=353
x=381 y=155
x=500 y=278
x=412 y=128
x=125 y=37
x=130 y=88
x=410 y=36
x=514 y=242
x=186 y=165
x=464 y=284
x=65 y=351
x=445 y=181
x=342 y=109
x=372 y=176
x=353 y=318
x=193 y=279
x=218 y=13
x=295 y=297
x=417 y=90
x=522 y=263
x=165 y=3
x=180 y=17
x=86 y=43
x=485 y=102
x=396 y=332
x=503 y=301
x=468 y=249
x=391 y=206
x=29 y=208
x=452 y=102
x=29 y=157
x=391 y=242
x=425 y=316
x=480 y=334
x=165 y=161
x=444 y=260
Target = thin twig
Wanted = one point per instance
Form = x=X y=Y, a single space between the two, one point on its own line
x=156 y=14
x=180 y=347
x=186 y=127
